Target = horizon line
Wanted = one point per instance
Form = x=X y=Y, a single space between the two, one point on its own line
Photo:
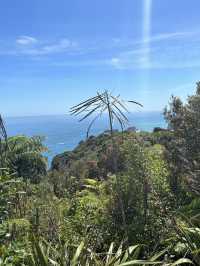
x=68 y=115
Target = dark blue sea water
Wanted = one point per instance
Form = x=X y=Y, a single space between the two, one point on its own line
x=63 y=132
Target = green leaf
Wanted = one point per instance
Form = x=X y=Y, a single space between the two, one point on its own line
x=141 y=262
x=77 y=254
x=182 y=261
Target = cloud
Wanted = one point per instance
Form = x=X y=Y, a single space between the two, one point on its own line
x=26 y=40
x=116 y=62
x=61 y=46
x=27 y=45
x=31 y=46
x=153 y=39
x=156 y=61
x=166 y=51
x=171 y=36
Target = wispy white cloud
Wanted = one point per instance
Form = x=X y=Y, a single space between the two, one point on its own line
x=28 y=45
x=63 y=45
x=172 y=61
x=167 y=50
x=116 y=62
x=26 y=40
x=171 y=36
x=41 y=47
x=153 y=39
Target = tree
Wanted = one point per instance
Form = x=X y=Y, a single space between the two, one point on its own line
x=184 y=121
x=24 y=157
x=116 y=108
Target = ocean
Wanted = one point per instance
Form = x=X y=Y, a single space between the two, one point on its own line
x=63 y=132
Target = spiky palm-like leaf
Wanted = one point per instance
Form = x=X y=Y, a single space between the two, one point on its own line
x=101 y=103
x=3 y=144
x=3 y=134
x=45 y=254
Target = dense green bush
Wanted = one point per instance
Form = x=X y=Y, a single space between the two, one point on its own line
x=117 y=188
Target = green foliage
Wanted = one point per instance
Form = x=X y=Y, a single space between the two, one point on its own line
x=41 y=253
x=87 y=215
x=119 y=188
x=184 y=121
x=24 y=157
x=145 y=192
x=12 y=197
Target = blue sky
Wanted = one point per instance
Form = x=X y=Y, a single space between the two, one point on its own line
x=54 y=53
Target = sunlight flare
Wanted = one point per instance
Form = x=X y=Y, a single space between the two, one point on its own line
x=147 y=19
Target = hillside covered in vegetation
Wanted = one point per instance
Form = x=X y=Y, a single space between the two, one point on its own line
x=121 y=198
